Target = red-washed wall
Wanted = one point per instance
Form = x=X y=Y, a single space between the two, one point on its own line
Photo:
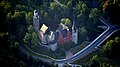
x=69 y=37
x=62 y=40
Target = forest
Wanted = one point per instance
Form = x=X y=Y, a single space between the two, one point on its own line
x=16 y=25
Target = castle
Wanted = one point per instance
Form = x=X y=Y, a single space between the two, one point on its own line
x=53 y=38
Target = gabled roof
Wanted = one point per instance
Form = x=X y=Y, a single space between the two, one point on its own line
x=45 y=29
x=64 y=32
x=56 y=35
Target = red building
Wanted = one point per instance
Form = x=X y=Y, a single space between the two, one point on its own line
x=64 y=36
x=60 y=38
x=69 y=36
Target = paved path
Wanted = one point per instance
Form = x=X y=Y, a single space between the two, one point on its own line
x=68 y=54
x=58 y=2
x=90 y=48
x=84 y=52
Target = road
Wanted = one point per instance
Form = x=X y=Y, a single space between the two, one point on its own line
x=35 y=55
x=85 y=51
x=88 y=49
x=68 y=54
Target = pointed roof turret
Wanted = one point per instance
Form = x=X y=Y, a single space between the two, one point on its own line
x=74 y=27
x=36 y=14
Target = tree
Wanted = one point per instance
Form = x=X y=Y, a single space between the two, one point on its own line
x=34 y=40
x=81 y=11
x=21 y=8
x=107 y=47
x=29 y=18
x=17 y=23
x=82 y=34
x=30 y=38
x=54 y=6
x=27 y=38
x=5 y=6
x=30 y=29
x=12 y=30
x=69 y=4
x=111 y=9
x=94 y=61
x=93 y=16
x=66 y=21
x=112 y=48
x=16 y=44
x=55 y=12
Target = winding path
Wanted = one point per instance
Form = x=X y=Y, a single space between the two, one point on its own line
x=85 y=51
x=58 y=2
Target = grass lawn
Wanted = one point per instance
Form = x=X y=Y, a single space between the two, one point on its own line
x=79 y=47
x=85 y=60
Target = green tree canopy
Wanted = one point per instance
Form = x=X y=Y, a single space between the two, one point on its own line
x=112 y=48
x=31 y=38
x=82 y=34
x=29 y=17
x=81 y=11
x=111 y=9
x=93 y=16
x=66 y=21
x=94 y=61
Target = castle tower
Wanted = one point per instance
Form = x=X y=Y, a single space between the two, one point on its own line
x=74 y=33
x=36 y=20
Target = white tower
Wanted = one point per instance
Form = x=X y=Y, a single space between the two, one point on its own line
x=36 y=20
x=74 y=33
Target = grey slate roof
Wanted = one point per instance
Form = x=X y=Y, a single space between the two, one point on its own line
x=64 y=32
x=47 y=31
